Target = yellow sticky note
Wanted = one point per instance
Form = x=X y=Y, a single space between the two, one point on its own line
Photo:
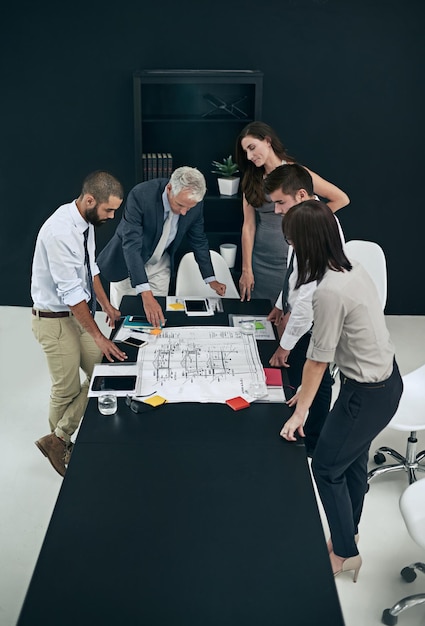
x=155 y=400
x=176 y=306
x=156 y=331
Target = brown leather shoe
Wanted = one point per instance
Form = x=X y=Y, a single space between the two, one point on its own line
x=54 y=449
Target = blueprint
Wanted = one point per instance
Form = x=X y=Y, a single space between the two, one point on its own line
x=199 y=364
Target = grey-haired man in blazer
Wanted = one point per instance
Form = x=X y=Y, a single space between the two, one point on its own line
x=158 y=213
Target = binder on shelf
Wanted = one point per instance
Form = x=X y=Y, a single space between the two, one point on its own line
x=169 y=164
x=159 y=165
x=149 y=165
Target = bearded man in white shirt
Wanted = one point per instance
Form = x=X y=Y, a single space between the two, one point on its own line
x=65 y=286
x=287 y=186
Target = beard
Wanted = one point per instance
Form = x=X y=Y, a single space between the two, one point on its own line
x=93 y=218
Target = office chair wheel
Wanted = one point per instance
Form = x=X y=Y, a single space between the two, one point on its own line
x=408 y=574
x=389 y=619
x=379 y=458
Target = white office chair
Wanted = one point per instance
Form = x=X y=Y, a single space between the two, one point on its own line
x=412 y=507
x=410 y=417
x=189 y=281
x=372 y=257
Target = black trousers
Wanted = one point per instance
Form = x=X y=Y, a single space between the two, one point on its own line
x=339 y=463
x=319 y=410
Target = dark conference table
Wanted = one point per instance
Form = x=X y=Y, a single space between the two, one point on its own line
x=186 y=515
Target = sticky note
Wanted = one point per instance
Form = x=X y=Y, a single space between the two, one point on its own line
x=155 y=400
x=176 y=306
x=238 y=403
x=273 y=377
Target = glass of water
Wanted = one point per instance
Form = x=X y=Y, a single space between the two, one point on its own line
x=248 y=328
x=107 y=403
x=257 y=389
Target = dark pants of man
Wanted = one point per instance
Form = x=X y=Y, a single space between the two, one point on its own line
x=319 y=410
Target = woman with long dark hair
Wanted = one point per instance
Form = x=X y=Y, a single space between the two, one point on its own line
x=348 y=329
x=264 y=251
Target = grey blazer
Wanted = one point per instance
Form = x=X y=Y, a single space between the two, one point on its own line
x=139 y=231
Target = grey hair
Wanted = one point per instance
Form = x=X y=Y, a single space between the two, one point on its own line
x=188 y=178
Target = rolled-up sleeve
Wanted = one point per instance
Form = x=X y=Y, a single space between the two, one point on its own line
x=67 y=270
x=328 y=315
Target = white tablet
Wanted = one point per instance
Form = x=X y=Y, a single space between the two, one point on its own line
x=197 y=306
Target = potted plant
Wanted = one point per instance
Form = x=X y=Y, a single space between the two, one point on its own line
x=228 y=183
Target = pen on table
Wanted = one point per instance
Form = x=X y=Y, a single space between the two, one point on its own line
x=123 y=363
x=154 y=330
x=144 y=395
x=122 y=317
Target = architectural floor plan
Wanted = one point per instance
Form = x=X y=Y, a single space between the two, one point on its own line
x=199 y=364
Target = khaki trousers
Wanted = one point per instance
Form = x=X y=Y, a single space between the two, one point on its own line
x=68 y=347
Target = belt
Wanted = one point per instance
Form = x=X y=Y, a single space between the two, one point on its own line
x=356 y=383
x=51 y=313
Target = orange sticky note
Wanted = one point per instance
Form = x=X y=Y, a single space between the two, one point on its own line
x=155 y=400
x=238 y=403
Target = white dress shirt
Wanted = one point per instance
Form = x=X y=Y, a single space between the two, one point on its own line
x=171 y=237
x=59 y=274
x=300 y=302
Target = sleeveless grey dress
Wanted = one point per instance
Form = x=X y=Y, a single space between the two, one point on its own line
x=269 y=254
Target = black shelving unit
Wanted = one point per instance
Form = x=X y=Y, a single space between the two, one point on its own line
x=196 y=116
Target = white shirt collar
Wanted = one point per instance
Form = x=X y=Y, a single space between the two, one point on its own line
x=77 y=218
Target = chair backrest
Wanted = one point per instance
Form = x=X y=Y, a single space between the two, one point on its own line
x=410 y=414
x=412 y=507
x=372 y=257
x=189 y=281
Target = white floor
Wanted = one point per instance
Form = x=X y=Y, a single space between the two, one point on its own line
x=29 y=486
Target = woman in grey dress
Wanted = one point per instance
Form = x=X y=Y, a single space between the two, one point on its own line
x=264 y=249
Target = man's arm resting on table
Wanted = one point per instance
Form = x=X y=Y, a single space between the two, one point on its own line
x=82 y=313
x=296 y=323
x=275 y=316
x=312 y=377
x=280 y=357
x=153 y=310
x=112 y=314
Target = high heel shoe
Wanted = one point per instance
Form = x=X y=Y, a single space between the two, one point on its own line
x=330 y=546
x=353 y=563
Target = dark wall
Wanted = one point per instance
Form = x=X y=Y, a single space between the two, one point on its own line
x=343 y=86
